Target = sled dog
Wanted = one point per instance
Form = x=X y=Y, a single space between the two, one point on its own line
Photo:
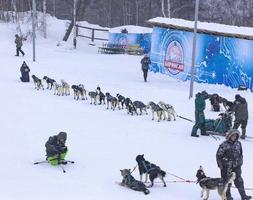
x=147 y=168
x=65 y=87
x=168 y=109
x=155 y=109
x=130 y=182
x=49 y=81
x=219 y=184
x=37 y=82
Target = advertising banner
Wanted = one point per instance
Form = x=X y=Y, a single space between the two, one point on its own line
x=219 y=59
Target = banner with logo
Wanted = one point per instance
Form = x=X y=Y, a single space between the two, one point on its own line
x=219 y=59
x=142 y=39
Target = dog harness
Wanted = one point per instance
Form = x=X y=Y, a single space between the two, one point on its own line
x=149 y=166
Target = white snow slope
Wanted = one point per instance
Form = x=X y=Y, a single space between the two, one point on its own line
x=100 y=141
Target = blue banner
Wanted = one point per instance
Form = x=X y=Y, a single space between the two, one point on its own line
x=219 y=59
x=143 y=40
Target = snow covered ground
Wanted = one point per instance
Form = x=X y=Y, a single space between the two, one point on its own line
x=100 y=141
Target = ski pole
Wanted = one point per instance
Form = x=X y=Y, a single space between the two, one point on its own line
x=40 y=162
x=63 y=170
x=190 y=120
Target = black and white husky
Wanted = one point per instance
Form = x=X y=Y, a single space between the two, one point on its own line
x=150 y=169
x=50 y=82
x=141 y=106
x=219 y=184
x=37 y=82
x=79 y=91
x=121 y=101
x=130 y=182
x=111 y=100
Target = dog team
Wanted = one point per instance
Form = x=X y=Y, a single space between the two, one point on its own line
x=161 y=110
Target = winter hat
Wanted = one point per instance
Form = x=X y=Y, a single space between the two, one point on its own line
x=62 y=136
x=237 y=97
x=231 y=132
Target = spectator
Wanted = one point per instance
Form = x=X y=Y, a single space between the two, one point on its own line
x=19 y=44
x=145 y=61
x=24 y=72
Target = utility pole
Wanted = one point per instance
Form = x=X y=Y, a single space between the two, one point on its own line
x=33 y=26
x=194 y=48
x=74 y=24
x=45 y=18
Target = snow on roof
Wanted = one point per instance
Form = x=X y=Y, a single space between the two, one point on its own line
x=131 y=29
x=204 y=27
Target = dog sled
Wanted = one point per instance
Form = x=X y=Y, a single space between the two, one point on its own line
x=220 y=125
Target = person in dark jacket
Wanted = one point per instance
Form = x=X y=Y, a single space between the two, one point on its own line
x=241 y=114
x=56 y=149
x=200 y=106
x=24 y=69
x=19 y=44
x=145 y=61
x=215 y=101
x=229 y=158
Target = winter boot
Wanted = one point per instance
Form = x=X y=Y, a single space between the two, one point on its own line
x=194 y=135
x=241 y=190
x=243 y=134
x=246 y=197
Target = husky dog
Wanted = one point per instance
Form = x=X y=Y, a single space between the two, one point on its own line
x=83 y=91
x=155 y=109
x=150 y=169
x=168 y=109
x=93 y=97
x=121 y=101
x=130 y=182
x=141 y=106
x=130 y=108
x=58 y=89
x=127 y=102
x=37 y=82
x=111 y=100
x=66 y=87
x=79 y=91
x=101 y=95
x=219 y=184
x=50 y=82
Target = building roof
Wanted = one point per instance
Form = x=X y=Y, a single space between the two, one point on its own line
x=131 y=29
x=204 y=27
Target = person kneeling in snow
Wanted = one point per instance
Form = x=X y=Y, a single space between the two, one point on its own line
x=56 y=149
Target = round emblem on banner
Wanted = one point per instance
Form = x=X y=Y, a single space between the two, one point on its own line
x=174 y=58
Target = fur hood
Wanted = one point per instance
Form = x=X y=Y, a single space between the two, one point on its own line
x=231 y=132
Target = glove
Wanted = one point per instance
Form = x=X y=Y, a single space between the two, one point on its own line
x=63 y=149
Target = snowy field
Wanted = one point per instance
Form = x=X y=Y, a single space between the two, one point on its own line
x=100 y=141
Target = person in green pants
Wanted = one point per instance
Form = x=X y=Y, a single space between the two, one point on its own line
x=56 y=149
x=200 y=106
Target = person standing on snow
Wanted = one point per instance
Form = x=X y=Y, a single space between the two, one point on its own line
x=56 y=149
x=145 y=61
x=229 y=158
x=200 y=106
x=241 y=114
x=19 y=44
